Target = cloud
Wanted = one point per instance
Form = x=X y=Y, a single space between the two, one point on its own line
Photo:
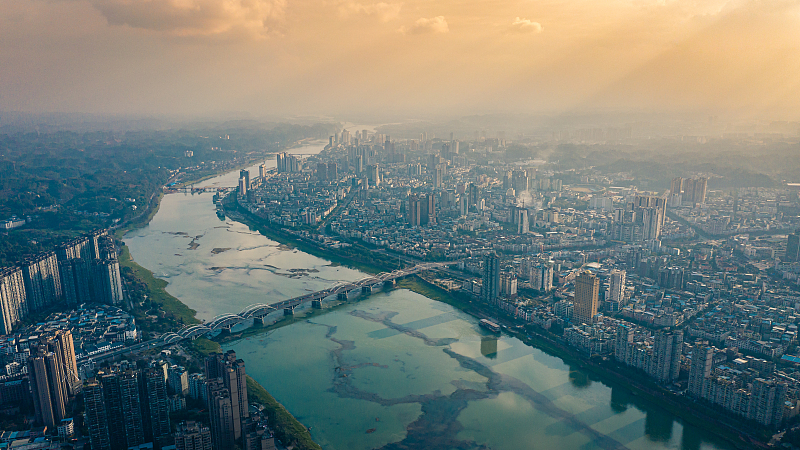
x=192 y=18
x=526 y=26
x=424 y=26
x=384 y=11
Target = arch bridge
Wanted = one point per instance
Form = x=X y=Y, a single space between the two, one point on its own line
x=259 y=310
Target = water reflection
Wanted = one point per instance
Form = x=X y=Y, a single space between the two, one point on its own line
x=620 y=399
x=578 y=377
x=658 y=425
x=489 y=347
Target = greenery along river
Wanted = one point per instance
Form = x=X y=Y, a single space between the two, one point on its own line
x=395 y=370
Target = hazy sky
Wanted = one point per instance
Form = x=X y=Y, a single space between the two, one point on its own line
x=411 y=57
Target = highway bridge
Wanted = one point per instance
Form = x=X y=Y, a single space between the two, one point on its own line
x=257 y=311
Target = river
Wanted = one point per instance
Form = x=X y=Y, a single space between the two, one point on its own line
x=396 y=369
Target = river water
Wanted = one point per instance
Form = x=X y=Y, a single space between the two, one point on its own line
x=395 y=370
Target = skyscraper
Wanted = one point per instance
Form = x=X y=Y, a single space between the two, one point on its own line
x=108 y=282
x=617 y=286
x=13 y=300
x=587 y=288
x=53 y=372
x=157 y=425
x=231 y=372
x=520 y=219
x=793 y=247
x=700 y=370
x=677 y=186
x=122 y=408
x=428 y=209
x=767 y=401
x=42 y=281
x=221 y=414
x=667 y=355
x=541 y=277
x=623 y=343
x=474 y=196
x=49 y=388
x=490 y=290
x=96 y=419
x=414 y=210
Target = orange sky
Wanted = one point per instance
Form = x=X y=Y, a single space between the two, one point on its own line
x=412 y=58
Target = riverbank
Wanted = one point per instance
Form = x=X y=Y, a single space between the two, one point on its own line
x=288 y=430
x=156 y=294
x=177 y=314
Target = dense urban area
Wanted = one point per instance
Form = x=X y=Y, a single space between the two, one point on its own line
x=681 y=279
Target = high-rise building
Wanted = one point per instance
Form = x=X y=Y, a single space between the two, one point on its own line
x=414 y=210
x=262 y=171
x=178 y=379
x=374 y=174
x=191 y=435
x=221 y=414
x=700 y=370
x=666 y=365
x=76 y=277
x=42 y=281
x=48 y=384
x=123 y=409
x=197 y=387
x=622 y=347
x=677 y=186
x=519 y=181
x=428 y=209
x=333 y=171
x=693 y=190
x=616 y=291
x=231 y=371
x=474 y=196
x=245 y=174
x=520 y=219
x=96 y=419
x=157 y=426
x=767 y=401
x=587 y=289
x=793 y=247
x=641 y=220
x=95 y=237
x=490 y=290
x=13 y=300
x=508 y=285
x=52 y=369
x=287 y=163
x=322 y=171
x=108 y=282
x=541 y=277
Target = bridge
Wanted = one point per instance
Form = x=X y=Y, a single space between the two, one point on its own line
x=194 y=189
x=258 y=311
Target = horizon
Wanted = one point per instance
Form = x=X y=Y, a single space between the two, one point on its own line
x=347 y=58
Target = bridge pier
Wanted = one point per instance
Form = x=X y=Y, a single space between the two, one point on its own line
x=388 y=284
x=288 y=311
x=366 y=290
x=258 y=321
x=225 y=331
x=316 y=304
x=341 y=296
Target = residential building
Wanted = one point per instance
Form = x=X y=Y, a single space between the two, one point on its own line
x=490 y=290
x=587 y=288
